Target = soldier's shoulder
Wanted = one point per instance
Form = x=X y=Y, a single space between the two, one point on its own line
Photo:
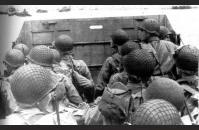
x=167 y=43
x=79 y=62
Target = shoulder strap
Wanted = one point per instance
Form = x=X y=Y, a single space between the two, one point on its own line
x=129 y=112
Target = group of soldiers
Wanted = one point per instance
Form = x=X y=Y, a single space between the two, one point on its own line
x=147 y=81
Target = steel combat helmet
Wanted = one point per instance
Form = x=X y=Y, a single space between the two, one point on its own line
x=64 y=43
x=14 y=58
x=22 y=47
x=30 y=83
x=41 y=55
x=157 y=112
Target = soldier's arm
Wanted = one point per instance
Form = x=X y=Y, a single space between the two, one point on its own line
x=104 y=75
x=171 y=47
x=82 y=81
x=72 y=92
x=84 y=70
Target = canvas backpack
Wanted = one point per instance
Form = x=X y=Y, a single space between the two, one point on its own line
x=117 y=103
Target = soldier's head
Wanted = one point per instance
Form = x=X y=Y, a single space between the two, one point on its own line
x=166 y=89
x=119 y=37
x=139 y=63
x=64 y=44
x=32 y=86
x=22 y=47
x=164 y=33
x=56 y=56
x=41 y=55
x=186 y=58
x=13 y=59
x=149 y=28
x=156 y=112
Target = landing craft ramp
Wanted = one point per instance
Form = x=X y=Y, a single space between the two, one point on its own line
x=91 y=35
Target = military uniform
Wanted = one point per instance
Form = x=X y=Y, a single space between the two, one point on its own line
x=79 y=74
x=67 y=86
x=76 y=69
x=110 y=67
x=139 y=65
x=34 y=116
x=125 y=49
x=151 y=50
x=112 y=64
x=165 y=50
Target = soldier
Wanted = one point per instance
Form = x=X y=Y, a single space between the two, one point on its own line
x=112 y=63
x=13 y=60
x=156 y=112
x=38 y=97
x=163 y=50
x=186 y=58
x=43 y=56
x=76 y=69
x=164 y=33
x=139 y=64
x=122 y=76
x=22 y=47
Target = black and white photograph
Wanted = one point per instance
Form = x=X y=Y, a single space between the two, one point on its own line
x=99 y=65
